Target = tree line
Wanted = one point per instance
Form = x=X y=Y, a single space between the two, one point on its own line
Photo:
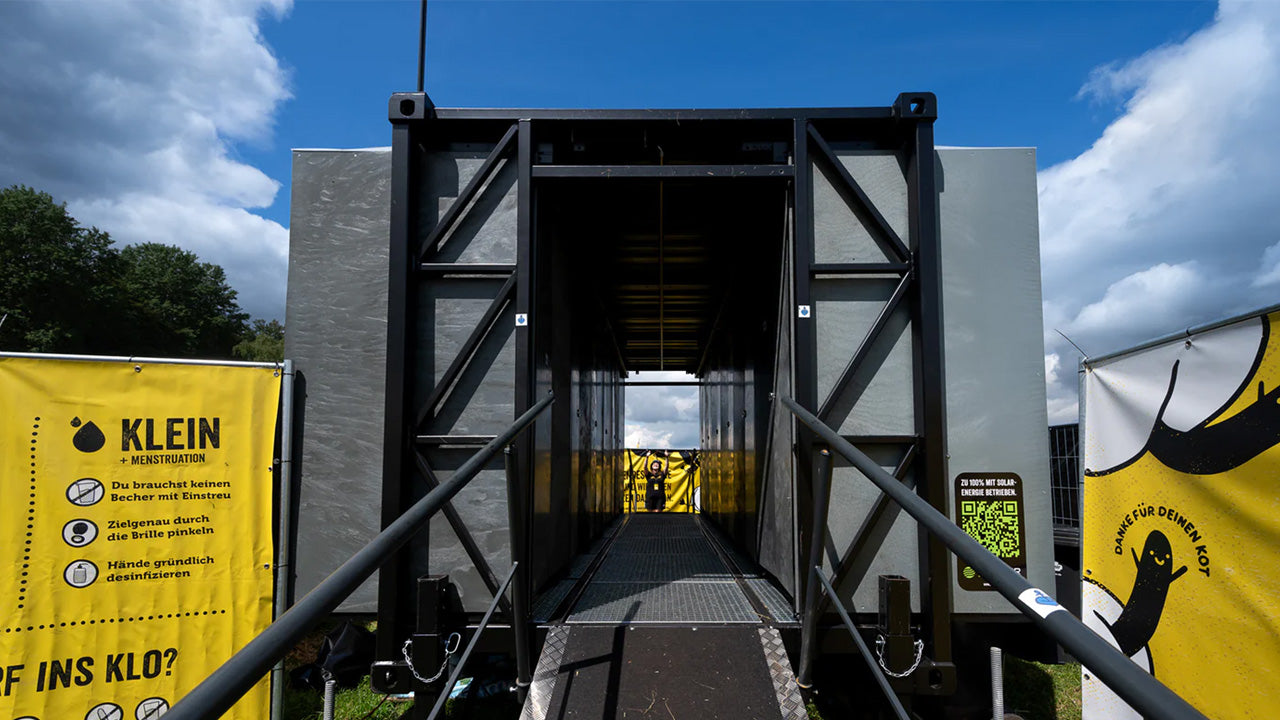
x=68 y=289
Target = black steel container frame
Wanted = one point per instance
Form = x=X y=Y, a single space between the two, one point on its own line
x=906 y=127
x=910 y=122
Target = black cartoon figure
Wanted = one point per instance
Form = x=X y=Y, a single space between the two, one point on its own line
x=1209 y=449
x=1135 y=626
x=655 y=496
x=1214 y=445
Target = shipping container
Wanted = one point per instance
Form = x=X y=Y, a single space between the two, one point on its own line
x=440 y=287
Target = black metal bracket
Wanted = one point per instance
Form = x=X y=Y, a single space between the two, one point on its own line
x=391 y=677
x=916 y=106
x=409 y=106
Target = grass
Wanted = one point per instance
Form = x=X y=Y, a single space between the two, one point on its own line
x=1041 y=692
x=358 y=703
x=361 y=703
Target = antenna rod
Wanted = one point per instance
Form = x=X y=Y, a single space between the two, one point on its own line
x=422 y=46
x=1073 y=343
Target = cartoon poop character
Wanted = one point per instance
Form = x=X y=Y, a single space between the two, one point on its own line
x=1213 y=446
x=1209 y=449
x=1137 y=623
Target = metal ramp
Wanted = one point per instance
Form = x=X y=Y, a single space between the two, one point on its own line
x=671 y=623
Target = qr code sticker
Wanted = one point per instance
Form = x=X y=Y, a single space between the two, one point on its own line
x=994 y=523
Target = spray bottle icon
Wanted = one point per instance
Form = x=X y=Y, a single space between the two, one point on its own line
x=80 y=573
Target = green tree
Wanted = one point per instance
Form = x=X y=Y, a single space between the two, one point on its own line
x=177 y=304
x=66 y=289
x=54 y=277
x=265 y=342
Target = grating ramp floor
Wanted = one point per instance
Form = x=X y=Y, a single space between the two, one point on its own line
x=777 y=606
x=661 y=569
x=772 y=599
x=716 y=673
x=548 y=601
x=664 y=567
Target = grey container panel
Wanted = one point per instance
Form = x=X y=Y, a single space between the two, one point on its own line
x=852 y=496
x=880 y=400
x=335 y=332
x=839 y=235
x=996 y=416
x=486 y=232
x=482 y=401
x=482 y=505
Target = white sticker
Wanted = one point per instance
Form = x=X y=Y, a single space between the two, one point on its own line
x=522 y=319
x=1039 y=601
x=804 y=311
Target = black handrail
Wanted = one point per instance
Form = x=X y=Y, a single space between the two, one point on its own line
x=1142 y=691
x=218 y=692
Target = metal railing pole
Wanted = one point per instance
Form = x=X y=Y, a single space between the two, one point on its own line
x=520 y=587
x=218 y=692
x=1140 y=690
x=284 y=530
x=471 y=645
x=812 y=590
x=863 y=650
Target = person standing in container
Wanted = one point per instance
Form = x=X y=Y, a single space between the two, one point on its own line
x=655 y=496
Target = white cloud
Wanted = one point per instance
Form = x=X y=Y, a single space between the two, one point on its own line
x=663 y=416
x=1062 y=406
x=1051 y=364
x=129 y=111
x=1168 y=220
x=1063 y=410
x=1160 y=296
x=649 y=438
x=1269 y=274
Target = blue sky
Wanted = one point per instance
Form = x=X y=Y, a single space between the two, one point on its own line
x=1156 y=124
x=1006 y=74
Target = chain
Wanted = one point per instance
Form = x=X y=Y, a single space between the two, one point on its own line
x=908 y=671
x=450 y=648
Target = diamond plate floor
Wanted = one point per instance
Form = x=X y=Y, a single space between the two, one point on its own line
x=661 y=569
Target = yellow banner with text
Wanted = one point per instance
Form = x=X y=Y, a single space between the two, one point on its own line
x=137 y=531
x=1182 y=518
x=661 y=481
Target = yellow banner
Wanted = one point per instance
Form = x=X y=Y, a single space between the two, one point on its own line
x=137 y=533
x=669 y=477
x=1182 y=519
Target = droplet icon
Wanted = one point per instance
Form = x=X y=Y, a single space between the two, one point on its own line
x=89 y=438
